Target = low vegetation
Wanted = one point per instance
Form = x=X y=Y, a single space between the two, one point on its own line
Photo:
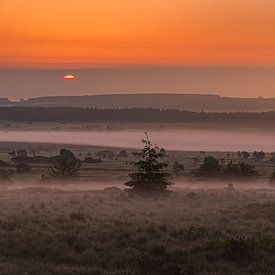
x=45 y=231
x=195 y=231
x=212 y=169
x=239 y=170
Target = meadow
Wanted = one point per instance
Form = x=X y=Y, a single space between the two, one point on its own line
x=116 y=169
x=46 y=231
x=94 y=226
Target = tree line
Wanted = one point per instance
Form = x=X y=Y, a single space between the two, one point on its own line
x=69 y=114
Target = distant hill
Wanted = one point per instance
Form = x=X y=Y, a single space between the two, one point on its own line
x=190 y=102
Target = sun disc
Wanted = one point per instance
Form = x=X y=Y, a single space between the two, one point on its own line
x=69 y=77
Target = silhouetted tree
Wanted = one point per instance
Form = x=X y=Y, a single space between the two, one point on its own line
x=259 y=156
x=66 y=166
x=239 y=170
x=244 y=155
x=209 y=168
x=70 y=114
x=122 y=154
x=150 y=173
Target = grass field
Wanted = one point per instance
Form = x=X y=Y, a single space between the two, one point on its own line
x=117 y=169
x=45 y=231
x=93 y=226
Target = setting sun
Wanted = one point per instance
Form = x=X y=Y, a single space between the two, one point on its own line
x=69 y=77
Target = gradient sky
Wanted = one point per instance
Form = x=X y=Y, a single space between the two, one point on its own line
x=144 y=33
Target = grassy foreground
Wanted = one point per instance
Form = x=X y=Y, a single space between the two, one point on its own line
x=46 y=231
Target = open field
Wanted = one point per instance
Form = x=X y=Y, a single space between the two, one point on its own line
x=116 y=169
x=93 y=226
x=45 y=231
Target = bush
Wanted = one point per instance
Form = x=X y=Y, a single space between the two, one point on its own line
x=243 y=154
x=210 y=168
x=258 y=156
x=239 y=170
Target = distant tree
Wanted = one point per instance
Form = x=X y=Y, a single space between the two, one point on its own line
x=210 y=168
x=66 y=166
x=122 y=154
x=150 y=175
x=243 y=155
x=259 y=156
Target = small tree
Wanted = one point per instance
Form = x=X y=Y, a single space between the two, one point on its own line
x=150 y=173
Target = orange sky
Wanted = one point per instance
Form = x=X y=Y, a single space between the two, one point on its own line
x=102 y=33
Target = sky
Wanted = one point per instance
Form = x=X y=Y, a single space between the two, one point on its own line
x=122 y=34
x=100 y=33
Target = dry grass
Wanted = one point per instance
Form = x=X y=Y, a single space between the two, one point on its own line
x=46 y=231
x=198 y=229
